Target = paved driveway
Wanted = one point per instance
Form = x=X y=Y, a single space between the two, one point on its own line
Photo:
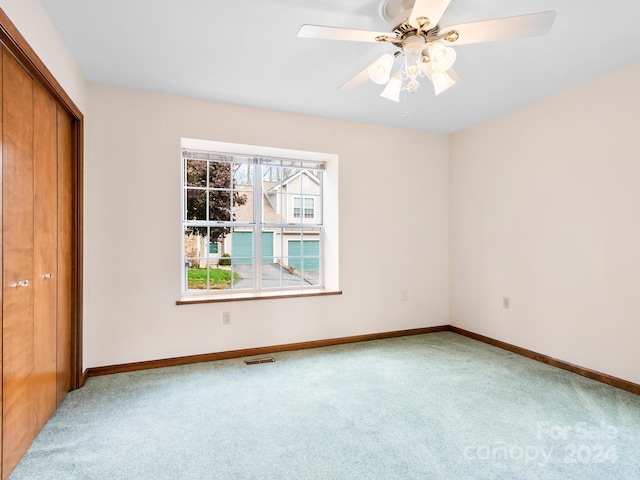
x=271 y=273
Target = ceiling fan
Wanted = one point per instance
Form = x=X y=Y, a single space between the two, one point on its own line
x=425 y=48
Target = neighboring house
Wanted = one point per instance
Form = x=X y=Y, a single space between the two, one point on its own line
x=295 y=201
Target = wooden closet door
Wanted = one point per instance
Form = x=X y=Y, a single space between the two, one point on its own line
x=40 y=239
x=17 y=312
x=45 y=254
x=66 y=245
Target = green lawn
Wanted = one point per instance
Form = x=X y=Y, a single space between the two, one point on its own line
x=219 y=279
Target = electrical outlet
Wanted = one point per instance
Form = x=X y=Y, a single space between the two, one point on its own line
x=405 y=295
x=506 y=303
x=226 y=318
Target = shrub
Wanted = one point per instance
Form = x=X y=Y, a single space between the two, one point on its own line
x=225 y=259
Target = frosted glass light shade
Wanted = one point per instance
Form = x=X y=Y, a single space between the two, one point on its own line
x=380 y=70
x=441 y=81
x=393 y=88
x=442 y=57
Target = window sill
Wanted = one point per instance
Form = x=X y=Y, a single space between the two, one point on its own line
x=241 y=297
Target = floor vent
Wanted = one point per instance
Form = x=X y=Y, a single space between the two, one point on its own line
x=258 y=361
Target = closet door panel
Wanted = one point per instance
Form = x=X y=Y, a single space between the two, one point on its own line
x=66 y=257
x=45 y=254
x=17 y=316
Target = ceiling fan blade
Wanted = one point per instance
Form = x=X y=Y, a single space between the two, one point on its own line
x=361 y=77
x=431 y=9
x=530 y=25
x=358 y=79
x=336 y=33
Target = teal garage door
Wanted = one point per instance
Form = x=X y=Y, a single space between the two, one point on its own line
x=267 y=247
x=305 y=254
x=242 y=247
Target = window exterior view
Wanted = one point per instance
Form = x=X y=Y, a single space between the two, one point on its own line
x=251 y=223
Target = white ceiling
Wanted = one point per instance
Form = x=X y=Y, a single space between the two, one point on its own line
x=246 y=52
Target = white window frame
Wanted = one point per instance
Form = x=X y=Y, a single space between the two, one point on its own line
x=329 y=217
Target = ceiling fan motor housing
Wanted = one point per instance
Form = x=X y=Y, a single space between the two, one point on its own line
x=396 y=12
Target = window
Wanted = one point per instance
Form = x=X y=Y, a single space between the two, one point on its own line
x=303 y=206
x=309 y=209
x=251 y=223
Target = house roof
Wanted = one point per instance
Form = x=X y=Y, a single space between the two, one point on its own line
x=277 y=185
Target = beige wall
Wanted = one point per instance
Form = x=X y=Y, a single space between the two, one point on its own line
x=133 y=185
x=545 y=209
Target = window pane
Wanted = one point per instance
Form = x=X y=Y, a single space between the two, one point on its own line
x=278 y=276
x=192 y=283
x=243 y=274
x=220 y=205
x=196 y=173
x=243 y=192
x=242 y=246
x=210 y=276
x=297 y=255
x=243 y=174
x=218 y=234
x=290 y=208
x=293 y=181
x=270 y=207
x=296 y=207
x=195 y=257
x=309 y=207
x=267 y=246
x=195 y=241
x=272 y=276
x=271 y=175
x=280 y=273
x=282 y=207
x=196 y=204
x=222 y=277
x=272 y=191
x=219 y=175
x=242 y=209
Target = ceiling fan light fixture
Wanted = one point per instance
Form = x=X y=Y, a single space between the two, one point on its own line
x=424 y=44
x=380 y=70
x=413 y=86
x=426 y=69
x=412 y=50
x=441 y=81
x=442 y=57
x=393 y=88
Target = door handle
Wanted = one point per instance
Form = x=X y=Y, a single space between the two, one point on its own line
x=20 y=283
x=47 y=275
